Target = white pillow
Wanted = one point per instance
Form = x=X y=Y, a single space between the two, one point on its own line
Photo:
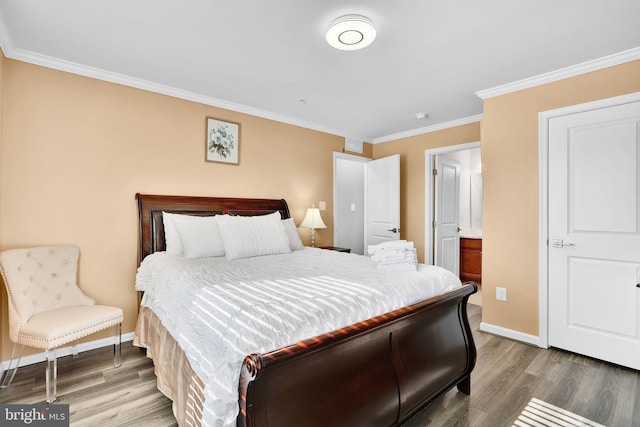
x=199 y=235
x=171 y=237
x=292 y=234
x=249 y=236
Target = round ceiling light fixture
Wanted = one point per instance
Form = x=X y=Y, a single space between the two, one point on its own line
x=351 y=32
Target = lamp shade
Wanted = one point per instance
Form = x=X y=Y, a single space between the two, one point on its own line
x=312 y=219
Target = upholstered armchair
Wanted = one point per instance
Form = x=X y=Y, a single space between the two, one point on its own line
x=47 y=309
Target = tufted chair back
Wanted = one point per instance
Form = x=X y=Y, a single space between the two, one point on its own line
x=40 y=279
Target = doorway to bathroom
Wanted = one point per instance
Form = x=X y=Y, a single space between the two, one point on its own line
x=453 y=210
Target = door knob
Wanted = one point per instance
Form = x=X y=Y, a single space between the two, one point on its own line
x=394 y=230
x=559 y=243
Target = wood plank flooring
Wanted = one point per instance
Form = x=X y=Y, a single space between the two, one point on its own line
x=507 y=375
x=97 y=393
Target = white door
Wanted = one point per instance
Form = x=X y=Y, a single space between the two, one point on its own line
x=594 y=233
x=447 y=214
x=383 y=200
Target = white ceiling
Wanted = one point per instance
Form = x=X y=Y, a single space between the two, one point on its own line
x=264 y=56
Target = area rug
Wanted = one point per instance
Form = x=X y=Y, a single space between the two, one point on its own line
x=542 y=414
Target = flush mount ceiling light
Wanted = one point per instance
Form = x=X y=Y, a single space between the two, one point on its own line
x=351 y=32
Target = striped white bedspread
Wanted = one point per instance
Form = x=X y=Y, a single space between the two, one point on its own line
x=220 y=311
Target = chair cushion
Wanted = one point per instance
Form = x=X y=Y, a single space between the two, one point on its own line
x=40 y=279
x=52 y=328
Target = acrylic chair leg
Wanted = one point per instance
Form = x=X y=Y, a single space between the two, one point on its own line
x=10 y=372
x=117 y=341
x=51 y=375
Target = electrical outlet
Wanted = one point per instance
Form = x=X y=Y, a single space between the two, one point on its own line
x=501 y=294
x=322 y=206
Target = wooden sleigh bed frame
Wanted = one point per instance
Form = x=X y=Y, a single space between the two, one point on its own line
x=379 y=372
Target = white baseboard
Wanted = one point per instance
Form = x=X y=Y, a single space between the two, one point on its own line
x=511 y=334
x=67 y=351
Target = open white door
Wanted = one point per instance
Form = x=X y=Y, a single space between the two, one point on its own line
x=447 y=214
x=594 y=233
x=383 y=200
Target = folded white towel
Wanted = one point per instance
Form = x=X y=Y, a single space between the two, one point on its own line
x=391 y=244
x=394 y=255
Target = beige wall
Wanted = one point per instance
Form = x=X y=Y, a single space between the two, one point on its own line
x=509 y=147
x=412 y=174
x=76 y=150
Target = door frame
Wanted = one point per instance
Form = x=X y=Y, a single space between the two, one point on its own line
x=353 y=158
x=429 y=193
x=543 y=200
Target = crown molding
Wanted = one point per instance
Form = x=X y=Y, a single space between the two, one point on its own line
x=122 y=79
x=428 y=129
x=563 y=73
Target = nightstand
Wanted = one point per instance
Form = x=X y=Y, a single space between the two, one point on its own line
x=335 y=248
x=471 y=260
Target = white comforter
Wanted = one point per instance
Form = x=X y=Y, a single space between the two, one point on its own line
x=220 y=311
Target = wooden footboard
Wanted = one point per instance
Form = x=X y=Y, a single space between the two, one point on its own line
x=376 y=373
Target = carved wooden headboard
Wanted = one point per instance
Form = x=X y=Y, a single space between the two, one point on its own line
x=150 y=208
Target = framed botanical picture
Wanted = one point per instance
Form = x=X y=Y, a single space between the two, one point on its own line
x=222 y=141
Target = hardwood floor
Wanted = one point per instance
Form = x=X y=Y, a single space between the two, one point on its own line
x=507 y=375
x=97 y=393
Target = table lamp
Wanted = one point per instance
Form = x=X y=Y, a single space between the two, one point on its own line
x=312 y=220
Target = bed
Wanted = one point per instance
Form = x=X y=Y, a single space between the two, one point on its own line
x=379 y=371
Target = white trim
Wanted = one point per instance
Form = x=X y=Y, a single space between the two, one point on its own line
x=429 y=165
x=346 y=156
x=428 y=129
x=563 y=73
x=67 y=351
x=122 y=79
x=71 y=67
x=511 y=334
x=543 y=230
x=543 y=188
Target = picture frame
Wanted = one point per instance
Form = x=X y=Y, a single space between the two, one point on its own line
x=222 y=141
